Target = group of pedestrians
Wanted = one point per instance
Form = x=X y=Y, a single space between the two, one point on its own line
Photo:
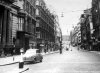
x=67 y=49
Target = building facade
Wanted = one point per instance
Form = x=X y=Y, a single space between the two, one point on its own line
x=44 y=26
x=96 y=23
x=26 y=23
x=26 y=35
x=82 y=34
x=74 y=37
x=18 y=25
x=58 y=35
x=8 y=10
x=86 y=30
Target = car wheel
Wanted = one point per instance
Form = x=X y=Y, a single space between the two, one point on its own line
x=41 y=60
x=34 y=60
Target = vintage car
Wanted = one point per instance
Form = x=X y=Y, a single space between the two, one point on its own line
x=32 y=55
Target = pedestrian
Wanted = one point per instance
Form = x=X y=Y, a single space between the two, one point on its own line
x=60 y=50
x=45 y=50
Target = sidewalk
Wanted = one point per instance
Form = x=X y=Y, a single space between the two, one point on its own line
x=16 y=70
x=97 y=52
x=15 y=59
x=9 y=60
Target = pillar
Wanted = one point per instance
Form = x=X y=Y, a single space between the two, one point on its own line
x=4 y=32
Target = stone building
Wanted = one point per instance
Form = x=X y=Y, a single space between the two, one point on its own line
x=44 y=26
x=58 y=34
x=73 y=36
x=86 y=29
x=7 y=12
x=18 y=25
x=26 y=35
x=96 y=23
x=26 y=23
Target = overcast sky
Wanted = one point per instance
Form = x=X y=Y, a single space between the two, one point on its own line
x=71 y=9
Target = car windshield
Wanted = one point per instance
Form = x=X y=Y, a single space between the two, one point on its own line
x=31 y=52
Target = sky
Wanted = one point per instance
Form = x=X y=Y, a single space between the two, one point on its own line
x=71 y=10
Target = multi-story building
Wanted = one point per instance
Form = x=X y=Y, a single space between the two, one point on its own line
x=73 y=35
x=83 y=31
x=7 y=13
x=44 y=26
x=82 y=34
x=25 y=35
x=96 y=23
x=86 y=29
x=71 y=39
x=26 y=23
x=58 y=34
x=78 y=35
x=18 y=25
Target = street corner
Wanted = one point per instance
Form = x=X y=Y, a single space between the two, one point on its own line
x=17 y=70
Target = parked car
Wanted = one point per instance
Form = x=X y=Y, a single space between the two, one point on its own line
x=32 y=55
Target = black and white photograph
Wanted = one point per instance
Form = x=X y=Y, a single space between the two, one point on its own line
x=49 y=36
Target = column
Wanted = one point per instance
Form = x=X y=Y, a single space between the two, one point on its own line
x=4 y=27
x=9 y=29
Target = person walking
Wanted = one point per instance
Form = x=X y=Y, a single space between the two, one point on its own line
x=60 y=50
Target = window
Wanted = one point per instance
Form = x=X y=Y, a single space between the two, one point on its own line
x=20 y=25
x=37 y=12
x=27 y=6
x=37 y=2
x=31 y=10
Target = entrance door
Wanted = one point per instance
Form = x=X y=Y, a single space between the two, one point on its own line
x=26 y=43
x=1 y=21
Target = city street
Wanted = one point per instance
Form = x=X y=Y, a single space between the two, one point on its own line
x=63 y=36
x=68 y=62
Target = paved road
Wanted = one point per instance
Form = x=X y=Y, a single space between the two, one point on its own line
x=14 y=68
x=8 y=68
x=68 y=62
